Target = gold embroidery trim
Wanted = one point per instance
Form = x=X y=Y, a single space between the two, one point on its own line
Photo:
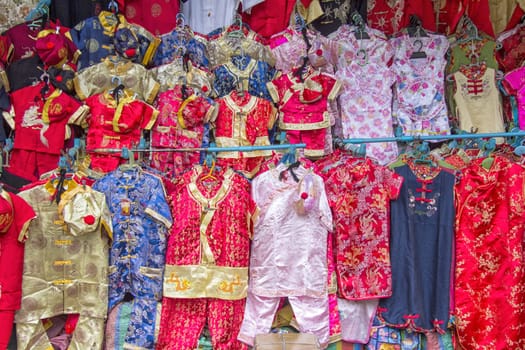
x=180 y=118
x=47 y=105
x=205 y=281
x=208 y=207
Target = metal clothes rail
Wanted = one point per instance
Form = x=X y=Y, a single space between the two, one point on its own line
x=433 y=137
x=208 y=149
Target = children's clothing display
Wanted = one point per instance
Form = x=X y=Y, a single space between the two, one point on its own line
x=203 y=174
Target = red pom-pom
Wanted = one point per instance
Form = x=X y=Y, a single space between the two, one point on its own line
x=89 y=219
x=204 y=88
x=59 y=78
x=319 y=52
x=304 y=195
x=130 y=52
x=50 y=45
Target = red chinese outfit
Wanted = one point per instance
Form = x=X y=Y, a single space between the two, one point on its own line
x=303 y=107
x=15 y=216
x=490 y=274
x=243 y=120
x=206 y=276
x=41 y=128
x=115 y=125
x=180 y=124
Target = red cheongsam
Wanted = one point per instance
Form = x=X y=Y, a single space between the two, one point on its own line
x=114 y=126
x=490 y=274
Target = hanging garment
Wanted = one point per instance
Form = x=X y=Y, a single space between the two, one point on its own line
x=269 y=17
x=501 y=13
x=206 y=275
x=511 y=55
x=41 y=127
x=158 y=16
x=222 y=49
x=478 y=102
x=22 y=39
x=366 y=96
x=109 y=74
x=422 y=229
x=135 y=43
x=465 y=51
x=177 y=73
x=65 y=264
x=359 y=193
x=489 y=262
x=419 y=104
x=289 y=47
x=24 y=72
x=55 y=47
x=94 y=37
x=303 y=107
x=204 y=16
x=115 y=123
x=386 y=15
x=15 y=217
x=243 y=120
x=71 y=12
x=515 y=80
x=141 y=218
x=478 y=11
x=179 y=42
x=338 y=12
x=245 y=72
x=296 y=215
x=180 y=124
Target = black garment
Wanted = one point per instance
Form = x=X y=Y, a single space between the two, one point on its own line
x=71 y=12
x=338 y=12
x=24 y=72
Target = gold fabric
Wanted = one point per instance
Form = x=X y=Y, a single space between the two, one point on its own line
x=205 y=281
x=64 y=273
x=88 y=334
x=500 y=13
x=109 y=73
x=223 y=49
x=172 y=74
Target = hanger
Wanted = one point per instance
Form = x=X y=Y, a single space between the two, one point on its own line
x=360 y=31
x=210 y=175
x=300 y=23
x=415 y=27
x=113 y=6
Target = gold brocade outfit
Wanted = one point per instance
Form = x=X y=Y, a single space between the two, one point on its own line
x=66 y=263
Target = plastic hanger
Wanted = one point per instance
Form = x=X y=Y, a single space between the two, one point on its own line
x=360 y=32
